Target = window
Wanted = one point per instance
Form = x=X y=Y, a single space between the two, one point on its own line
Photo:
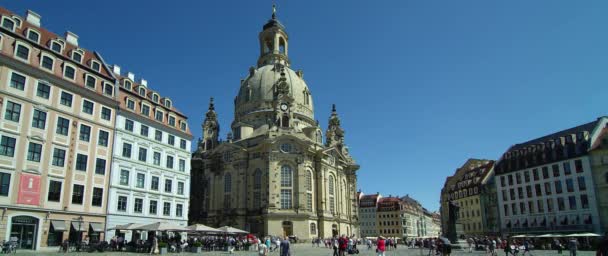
x=103 y=138
x=549 y=205
x=158 y=116
x=309 y=201
x=156 y=158
x=526 y=176
x=124 y=177
x=76 y=56
x=33 y=35
x=155 y=97
x=285 y=198
x=555 y=168
x=47 y=62
x=158 y=135
x=58 y=157
x=17 y=81
x=584 y=202
x=22 y=52
x=126 y=150
x=143 y=154
x=567 y=170
x=171 y=140
x=143 y=131
x=572 y=202
x=168 y=186
x=227 y=183
x=138 y=206
x=54 y=194
x=66 y=99
x=182 y=144
x=170 y=162
x=535 y=174
x=560 y=204
x=95 y=66
x=142 y=91
x=172 y=121
x=8 y=24
x=558 y=187
x=569 y=185
x=180 y=188
x=168 y=104
x=63 y=126
x=582 y=186
x=183 y=126
x=140 y=181
x=540 y=206
x=332 y=202
x=127 y=84
x=129 y=125
x=34 y=152
x=145 y=110
x=154 y=183
x=69 y=72
x=578 y=166
x=547 y=188
x=153 y=207
x=179 y=210
x=90 y=82
x=81 y=162
x=56 y=47
x=85 y=133
x=77 y=194
x=518 y=178
x=286 y=176
x=122 y=204
x=545 y=172
x=5 y=183
x=182 y=165
x=106 y=113
x=87 y=107
x=100 y=166
x=43 y=90
x=13 y=111
x=167 y=209
x=39 y=119
x=97 y=197
x=130 y=104
x=108 y=89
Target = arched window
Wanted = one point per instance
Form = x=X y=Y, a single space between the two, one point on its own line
x=343 y=196
x=319 y=137
x=247 y=94
x=313 y=228
x=332 y=198
x=281 y=45
x=227 y=183
x=285 y=121
x=257 y=187
x=309 y=189
x=257 y=179
x=286 y=187
x=267 y=45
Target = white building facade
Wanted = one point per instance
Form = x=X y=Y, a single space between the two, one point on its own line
x=150 y=178
x=368 y=205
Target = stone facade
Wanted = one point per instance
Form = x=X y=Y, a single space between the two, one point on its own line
x=274 y=175
x=599 y=169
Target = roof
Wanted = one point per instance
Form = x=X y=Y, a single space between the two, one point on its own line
x=574 y=130
x=149 y=92
x=472 y=176
x=602 y=140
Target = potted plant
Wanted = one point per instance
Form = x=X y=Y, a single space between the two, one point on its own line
x=197 y=247
x=162 y=247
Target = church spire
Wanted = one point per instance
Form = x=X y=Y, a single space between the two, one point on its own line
x=335 y=134
x=211 y=129
x=273 y=42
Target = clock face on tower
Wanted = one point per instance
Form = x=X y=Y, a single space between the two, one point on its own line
x=284 y=106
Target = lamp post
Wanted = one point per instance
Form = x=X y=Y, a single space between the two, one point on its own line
x=79 y=219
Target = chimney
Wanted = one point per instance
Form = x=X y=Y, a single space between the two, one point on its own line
x=131 y=76
x=71 y=38
x=116 y=69
x=143 y=82
x=33 y=18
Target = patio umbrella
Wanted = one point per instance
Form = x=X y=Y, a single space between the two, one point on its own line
x=520 y=236
x=549 y=236
x=583 y=235
x=231 y=230
x=202 y=229
x=162 y=226
x=129 y=226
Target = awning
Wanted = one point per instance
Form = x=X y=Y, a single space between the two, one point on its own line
x=79 y=226
x=96 y=227
x=58 y=225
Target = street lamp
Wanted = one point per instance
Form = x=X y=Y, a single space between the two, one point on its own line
x=79 y=219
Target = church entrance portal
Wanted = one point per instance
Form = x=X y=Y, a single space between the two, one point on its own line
x=334 y=230
x=24 y=229
x=287 y=228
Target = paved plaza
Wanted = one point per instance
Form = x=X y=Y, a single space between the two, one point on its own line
x=307 y=250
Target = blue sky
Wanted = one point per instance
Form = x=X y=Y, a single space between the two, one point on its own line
x=421 y=86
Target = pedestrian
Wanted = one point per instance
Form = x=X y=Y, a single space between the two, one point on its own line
x=527 y=247
x=380 y=246
x=285 y=250
x=335 y=245
x=573 y=246
x=343 y=243
x=262 y=250
x=154 y=248
x=470 y=243
x=602 y=249
x=508 y=248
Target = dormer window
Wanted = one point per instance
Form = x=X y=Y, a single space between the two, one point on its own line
x=130 y=104
x=77 y=56
x=127 y=84
x=159 y=115
x=95 y=66
x=33 y=36
x=69 y=72
x=155 y=97
x=167 y=103
x=171 y=120
x=17 y=21
x=56 y=46
x=142 y=91
x=108 y=89
x=90 y=81
x=182 y=126
x=8 y=23
x=22 y=52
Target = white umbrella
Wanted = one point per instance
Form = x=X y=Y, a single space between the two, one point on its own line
x=583 y=235
x=549 y=236
x=203 y=229
x=129 y=226
x=231 y=230
x=162 y=226
x=520 y=236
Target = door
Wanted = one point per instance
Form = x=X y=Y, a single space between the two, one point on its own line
x=287 y=228
x=24 y=232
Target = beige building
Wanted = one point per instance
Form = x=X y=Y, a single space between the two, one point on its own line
x=275 y=175
x=599 y=170
x=56 y=131
x=390 y=217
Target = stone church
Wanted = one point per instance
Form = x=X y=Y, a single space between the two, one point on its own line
x=275 y=174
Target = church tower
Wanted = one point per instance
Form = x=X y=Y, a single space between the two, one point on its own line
x=274 y=175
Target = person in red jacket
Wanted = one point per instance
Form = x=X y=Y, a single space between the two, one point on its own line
x=343 y=243
x=380 y=246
